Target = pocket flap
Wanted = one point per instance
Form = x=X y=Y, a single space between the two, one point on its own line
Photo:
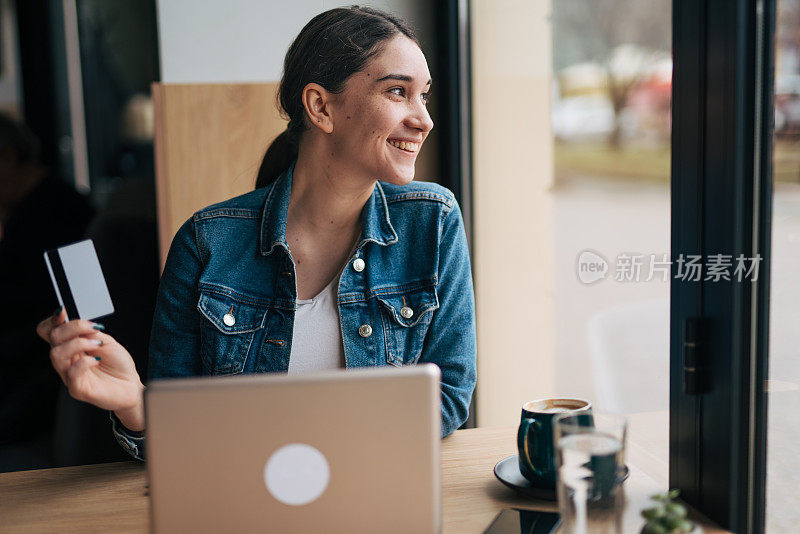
x=409 y=307
x=231 y=315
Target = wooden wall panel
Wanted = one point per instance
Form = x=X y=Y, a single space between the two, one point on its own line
x=209 y=141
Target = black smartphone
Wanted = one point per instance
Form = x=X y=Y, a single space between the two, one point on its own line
x=516 y=521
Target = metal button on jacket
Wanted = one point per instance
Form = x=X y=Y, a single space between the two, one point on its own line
x=406 y=312
x=358 y=265
x=365 y=330
x=229 y=319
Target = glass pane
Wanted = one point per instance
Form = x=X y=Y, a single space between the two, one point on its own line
x=783 y=387
x=612 y=74
x=572 y=215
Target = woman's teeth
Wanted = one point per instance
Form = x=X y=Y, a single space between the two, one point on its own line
x=408 y=146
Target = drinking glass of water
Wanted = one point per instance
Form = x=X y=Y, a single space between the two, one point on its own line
x=590 y=461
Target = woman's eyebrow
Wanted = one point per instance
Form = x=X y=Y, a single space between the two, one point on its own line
x=401 y=77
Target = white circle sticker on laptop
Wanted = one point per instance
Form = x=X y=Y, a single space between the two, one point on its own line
x=297 y=474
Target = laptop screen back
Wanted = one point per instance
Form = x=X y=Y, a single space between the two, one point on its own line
x=339 y=451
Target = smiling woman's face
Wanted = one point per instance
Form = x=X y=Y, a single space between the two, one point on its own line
x=381 y=107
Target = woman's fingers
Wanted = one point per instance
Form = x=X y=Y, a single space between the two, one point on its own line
x=78 y=380
x=72 y=329
x=44 y=328
x=64 y=355
x=110 y=383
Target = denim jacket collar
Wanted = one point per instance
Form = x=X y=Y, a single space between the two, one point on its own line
x=375 y=222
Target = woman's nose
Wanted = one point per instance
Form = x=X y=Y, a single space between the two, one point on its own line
x=428 y=122
x=421 y=119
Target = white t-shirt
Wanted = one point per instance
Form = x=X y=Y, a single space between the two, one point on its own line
x=317 y=336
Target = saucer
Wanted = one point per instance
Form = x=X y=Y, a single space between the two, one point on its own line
x=507 y=472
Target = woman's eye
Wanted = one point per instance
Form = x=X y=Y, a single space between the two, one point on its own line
x=425 y=96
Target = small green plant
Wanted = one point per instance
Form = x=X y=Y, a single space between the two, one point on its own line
x=666 y=517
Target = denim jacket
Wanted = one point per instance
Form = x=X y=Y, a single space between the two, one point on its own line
x=226 y=299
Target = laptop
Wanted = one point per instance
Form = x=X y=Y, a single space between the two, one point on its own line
x=335 y=451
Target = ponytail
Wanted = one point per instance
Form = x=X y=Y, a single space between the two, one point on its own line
x=279 y=156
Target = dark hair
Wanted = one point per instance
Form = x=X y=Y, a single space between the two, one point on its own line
x=19 y=138
x=333 y=46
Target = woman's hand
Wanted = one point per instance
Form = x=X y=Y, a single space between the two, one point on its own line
x=94 y=367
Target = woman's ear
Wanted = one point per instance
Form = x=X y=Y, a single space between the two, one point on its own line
x=316 y=100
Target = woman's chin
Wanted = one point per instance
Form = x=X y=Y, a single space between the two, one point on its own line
x=400 y=180
x=400 y=176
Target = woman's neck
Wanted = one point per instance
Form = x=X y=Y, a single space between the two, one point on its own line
x=325 y=198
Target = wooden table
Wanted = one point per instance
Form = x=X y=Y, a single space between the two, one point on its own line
x=113 y=498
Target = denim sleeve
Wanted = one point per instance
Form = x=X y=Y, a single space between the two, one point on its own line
x=132 y=442
x=175 y=336
x=450 y=341
x=174 y=339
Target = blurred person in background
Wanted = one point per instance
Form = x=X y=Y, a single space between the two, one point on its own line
x=38 y=211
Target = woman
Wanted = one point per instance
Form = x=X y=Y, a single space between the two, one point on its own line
x=321 y=266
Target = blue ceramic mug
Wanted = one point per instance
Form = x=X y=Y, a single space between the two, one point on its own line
x=535 y=437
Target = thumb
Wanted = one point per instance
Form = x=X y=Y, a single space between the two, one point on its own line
x=47 y=325
x=60 y=317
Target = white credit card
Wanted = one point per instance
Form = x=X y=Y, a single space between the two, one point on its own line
x=78 y=281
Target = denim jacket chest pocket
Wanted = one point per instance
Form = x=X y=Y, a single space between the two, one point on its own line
x=406 y=314
x=228 y=331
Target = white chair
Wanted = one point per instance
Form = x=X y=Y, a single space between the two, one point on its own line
x=629 y=352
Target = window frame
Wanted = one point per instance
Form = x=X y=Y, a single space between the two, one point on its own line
x=456 y=117
x=723 y=63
